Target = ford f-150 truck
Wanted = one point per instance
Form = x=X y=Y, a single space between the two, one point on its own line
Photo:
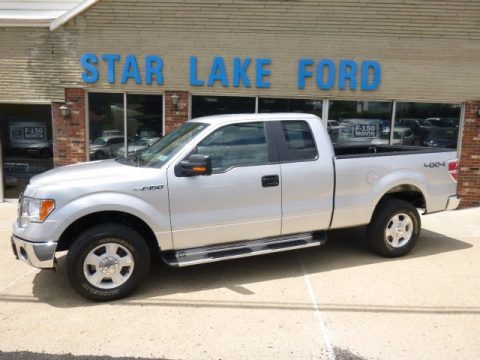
x=226 y=187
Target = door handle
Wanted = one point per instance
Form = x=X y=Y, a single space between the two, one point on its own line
x=270 y=180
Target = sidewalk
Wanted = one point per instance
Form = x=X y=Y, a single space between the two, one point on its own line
x=339 y=301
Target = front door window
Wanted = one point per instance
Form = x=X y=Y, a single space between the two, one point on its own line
x=235 y=145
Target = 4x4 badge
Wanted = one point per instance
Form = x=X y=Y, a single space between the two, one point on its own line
x=434 y=164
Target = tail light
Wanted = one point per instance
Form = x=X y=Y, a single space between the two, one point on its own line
x=453 y=169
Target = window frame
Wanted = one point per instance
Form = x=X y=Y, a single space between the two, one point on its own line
x=271 y=146
x=282 y=145
x=125 y=114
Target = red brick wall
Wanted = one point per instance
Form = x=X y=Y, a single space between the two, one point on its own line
x=469 y=180
x=69 y=134
x=176 y=116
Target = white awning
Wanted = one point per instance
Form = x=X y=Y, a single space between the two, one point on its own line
x=51 y=14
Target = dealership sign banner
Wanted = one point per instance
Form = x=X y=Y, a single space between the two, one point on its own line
x=246 y=72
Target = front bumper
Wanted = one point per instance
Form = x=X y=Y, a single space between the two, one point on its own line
x=453 y=202
x=37 y=254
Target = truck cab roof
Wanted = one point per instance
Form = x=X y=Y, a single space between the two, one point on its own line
x=235 y=118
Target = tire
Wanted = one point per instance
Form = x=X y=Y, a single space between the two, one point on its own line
x=100 y=155
x=394 y=228
x=107 y=262
x=46 y=153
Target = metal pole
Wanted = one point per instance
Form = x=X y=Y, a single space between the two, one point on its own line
x=392 y=125
x=2 y=179
x=125 y=123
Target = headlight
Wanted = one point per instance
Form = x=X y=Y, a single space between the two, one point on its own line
x=34 y=210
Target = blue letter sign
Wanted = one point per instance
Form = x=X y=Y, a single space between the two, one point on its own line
x=111 y=59
x=329 y=67
x=240 y=72
x=376 y=75
x=348 y=74
x=348 y=71
x=131 y=70
x=325 y=74
x=303 y=72
x=262 y=73
x=194 y=81
x=218 y=72
x=153 y=66
x=90 y=75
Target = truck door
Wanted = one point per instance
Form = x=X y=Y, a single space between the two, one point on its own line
x=241 y=200
x=307 y=176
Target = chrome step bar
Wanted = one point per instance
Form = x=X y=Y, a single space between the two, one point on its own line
x=208 y=254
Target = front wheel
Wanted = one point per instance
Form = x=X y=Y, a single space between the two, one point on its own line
x=107 y=262
x=394 y=228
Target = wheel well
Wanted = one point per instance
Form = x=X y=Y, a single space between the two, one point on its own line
x=80 y=225
x=408 y=193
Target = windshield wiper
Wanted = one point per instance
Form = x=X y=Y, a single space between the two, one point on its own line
x=131 y=158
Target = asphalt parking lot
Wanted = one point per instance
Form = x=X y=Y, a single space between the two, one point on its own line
x=339 y=301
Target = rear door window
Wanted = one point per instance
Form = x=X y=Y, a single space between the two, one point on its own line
x=299 y=141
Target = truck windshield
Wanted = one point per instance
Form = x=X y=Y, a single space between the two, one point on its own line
x=163 y=150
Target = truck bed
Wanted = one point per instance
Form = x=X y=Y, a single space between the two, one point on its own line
x=347 y=152
x=365 y=173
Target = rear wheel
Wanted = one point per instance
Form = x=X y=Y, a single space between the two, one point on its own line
x=394 y=228
x=107 y=262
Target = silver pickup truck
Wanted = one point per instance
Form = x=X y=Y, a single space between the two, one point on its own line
x=225 y=187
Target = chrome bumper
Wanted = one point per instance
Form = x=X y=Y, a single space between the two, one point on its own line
x=40 y=255
x=453 y=202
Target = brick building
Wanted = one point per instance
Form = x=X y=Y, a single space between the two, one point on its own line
x=84 y=80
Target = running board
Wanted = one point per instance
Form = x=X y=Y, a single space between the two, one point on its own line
x=208 y=254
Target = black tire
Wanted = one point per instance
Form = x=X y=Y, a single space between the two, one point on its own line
x=383 y=223
x=46 y=153
x=100 y=155
x=123 y=237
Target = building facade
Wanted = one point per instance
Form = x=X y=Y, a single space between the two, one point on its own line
x=109 y=76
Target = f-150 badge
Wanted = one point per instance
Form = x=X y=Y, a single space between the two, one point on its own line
x=149 y=187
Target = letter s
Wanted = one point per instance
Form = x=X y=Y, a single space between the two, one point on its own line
x=90 y=75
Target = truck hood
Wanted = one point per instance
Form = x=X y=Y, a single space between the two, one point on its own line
x=82 y=171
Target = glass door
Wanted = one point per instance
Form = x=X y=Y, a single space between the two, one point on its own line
x=27 y=149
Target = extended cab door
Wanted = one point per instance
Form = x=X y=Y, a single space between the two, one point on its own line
x=308 y=180
x=241 y=200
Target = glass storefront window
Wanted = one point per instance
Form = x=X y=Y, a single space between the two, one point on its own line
x=430 y=124
x=218 y=105
x=144 y=121
x=359 y=122
x=107 y=128
x=105 y=116
x=309 y=106
x=27 y=147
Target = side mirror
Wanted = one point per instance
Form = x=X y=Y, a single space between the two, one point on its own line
x=195 y=165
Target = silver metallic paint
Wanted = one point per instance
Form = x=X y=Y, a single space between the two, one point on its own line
x=233 y=206
x=40 y=254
